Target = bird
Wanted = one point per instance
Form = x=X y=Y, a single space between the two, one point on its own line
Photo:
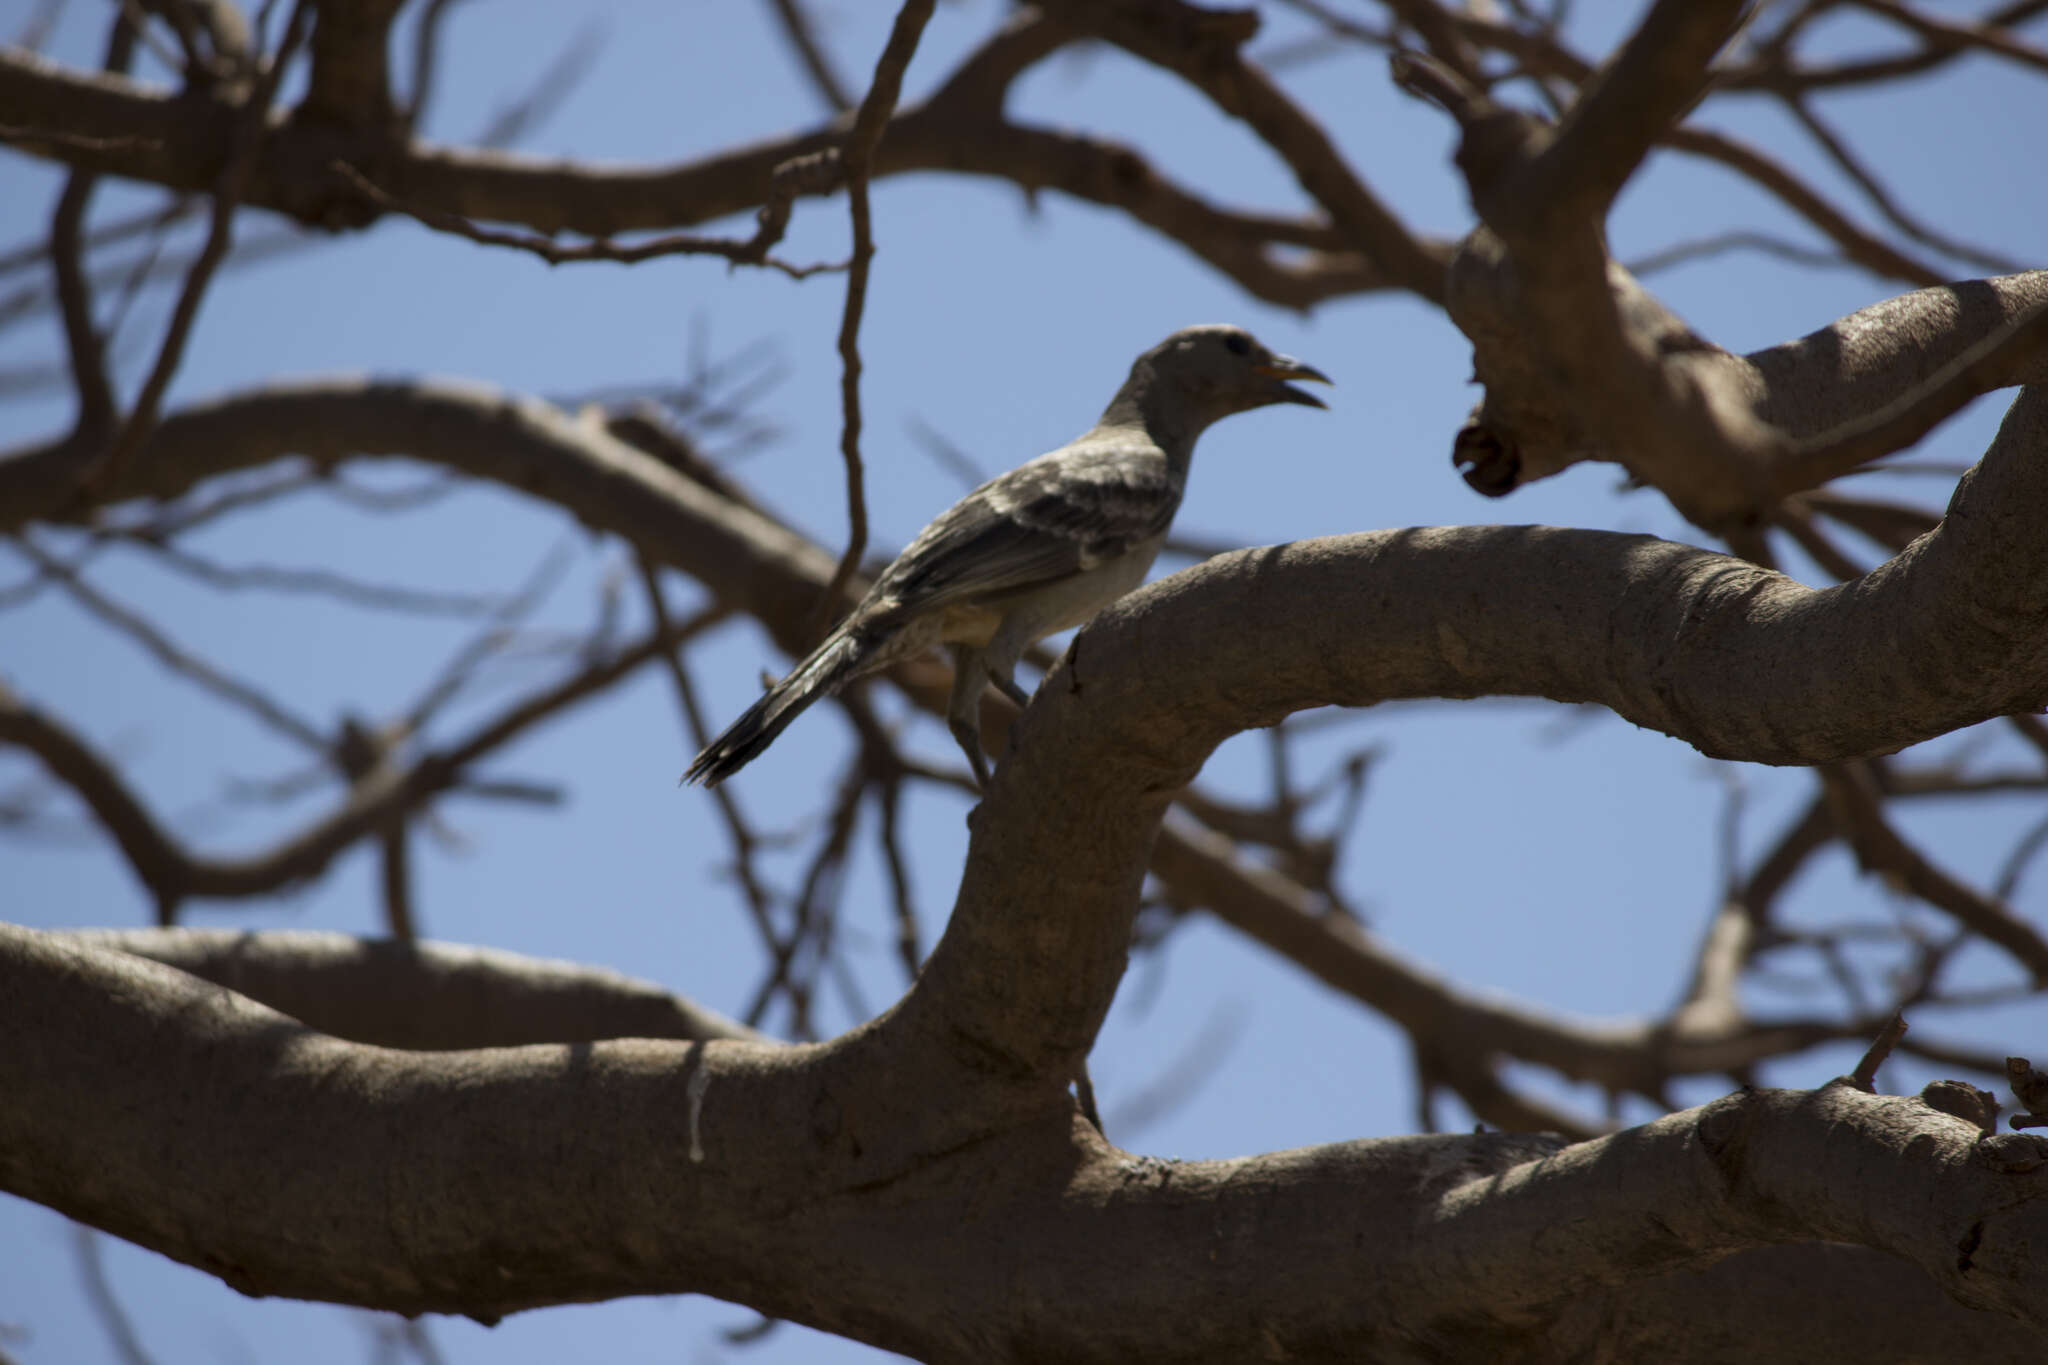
x=1034 y=551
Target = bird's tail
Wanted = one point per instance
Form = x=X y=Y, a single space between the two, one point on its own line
x=829 y=666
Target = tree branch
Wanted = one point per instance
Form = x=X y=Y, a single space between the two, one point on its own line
x=856 y=160
x=642 y=1166
x=1623 y=111
x=244 y=145
x=134 y=131
x=387 y=790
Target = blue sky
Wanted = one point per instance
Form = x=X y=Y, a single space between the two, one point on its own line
x=1566 y=859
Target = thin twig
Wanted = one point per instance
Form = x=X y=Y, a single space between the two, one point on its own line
x=84 y=342
x=108 y=234
x=168 y=653
x=1871 y=252
x=796 y=26
x=753 y=251
x=244 y=144
x=855 y=158
x=530 y=110
x=317 y=582
x=1864 y=1077
x=760 y=905
x=455 y=675
x=1799 y=523
x=1854 y=795
x=99 y=1291
x=395 y=866
x=1948 y=34
x=1873 y=190
x=426 y=53
x=1720 y=243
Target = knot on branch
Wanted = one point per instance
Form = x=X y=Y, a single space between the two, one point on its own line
x=1488 y=461
x=1722 y=1125
x=1960 y=1099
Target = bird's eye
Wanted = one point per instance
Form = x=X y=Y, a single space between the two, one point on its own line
x=1239 y=343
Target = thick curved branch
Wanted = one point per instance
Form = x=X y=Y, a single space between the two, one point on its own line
x=1541 y=52
x=1737 y=661
x=1625 y=109
x=1950 y=631
x=485 y=1182
x=1876 y=381
x=757 y=566
x=524 y=444
x=1725 y=436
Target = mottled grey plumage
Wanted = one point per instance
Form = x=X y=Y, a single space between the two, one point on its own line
x=1034 y=551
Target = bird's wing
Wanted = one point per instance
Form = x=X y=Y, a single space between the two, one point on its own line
x=1059 y=515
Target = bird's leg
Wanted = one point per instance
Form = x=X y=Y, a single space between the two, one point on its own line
x=963 y=709
x=1009 y=687
x=999 y=659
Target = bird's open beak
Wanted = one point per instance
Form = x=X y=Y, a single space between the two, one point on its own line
x=1283 y=367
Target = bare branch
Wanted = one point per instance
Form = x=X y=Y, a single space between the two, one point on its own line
x=1203 y=48
x=388 y=790
x=84 y=343
x=753 y=251
x=314 y=582
x=1775 y=72
x=1629 y=104
x=171 y=655
x=1914 y=413
x=246 y=141
x=1873 y=189
x=1882 y=849
x=744 y=841
x=1872 y=253
x=1721 y=243
x=803 y=40
x=516 y=119
x=1759 y=1168
x=855 y=158
x=426 y=61
x=99 y=1291
x=1864 y=1077
x=1795 y=518
x=350 y=84
x=1948 y=35
x=458 y=671
x=551 y=197
x=1892 y=525
x=394 y=875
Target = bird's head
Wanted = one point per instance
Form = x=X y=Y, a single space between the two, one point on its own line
x=1219 y=369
